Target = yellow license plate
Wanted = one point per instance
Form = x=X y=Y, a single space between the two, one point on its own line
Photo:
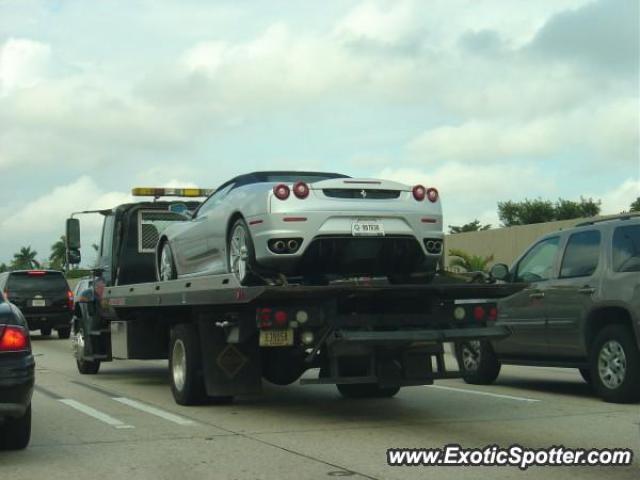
x=276 y=338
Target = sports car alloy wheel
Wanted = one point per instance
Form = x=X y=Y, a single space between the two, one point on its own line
x=166 y=264
x=612 y=364
x=238 y=253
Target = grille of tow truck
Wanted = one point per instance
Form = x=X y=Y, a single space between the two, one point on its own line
x=361 y=193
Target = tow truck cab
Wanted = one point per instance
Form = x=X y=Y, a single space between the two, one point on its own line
x=222 y=338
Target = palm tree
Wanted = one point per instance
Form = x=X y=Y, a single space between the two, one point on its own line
x=468 y=262
x=25 y=259
x=58 y=255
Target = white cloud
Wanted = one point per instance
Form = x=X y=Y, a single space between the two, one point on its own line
x=23 y=64
x=620 y=199
x=608 y=130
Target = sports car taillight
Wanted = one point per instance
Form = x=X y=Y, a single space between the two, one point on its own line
x=432 y=195
x=301 y=190
x=419 y=192
x=281 y=191
x=13 y=339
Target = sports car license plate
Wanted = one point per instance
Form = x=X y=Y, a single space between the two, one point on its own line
x=276 y=338
x=38 y=303
x=367 y=228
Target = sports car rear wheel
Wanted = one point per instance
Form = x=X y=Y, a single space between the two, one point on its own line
x=166 y=265
x=240 y=253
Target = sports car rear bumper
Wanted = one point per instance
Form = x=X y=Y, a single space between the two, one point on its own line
x=326 y=243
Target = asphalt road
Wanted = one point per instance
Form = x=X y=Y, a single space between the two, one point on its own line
x=124 y=424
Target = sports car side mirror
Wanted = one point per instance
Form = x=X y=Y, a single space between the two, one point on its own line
x=500 y=272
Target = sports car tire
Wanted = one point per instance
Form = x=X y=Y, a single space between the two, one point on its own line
x=166 y=269
x=15 y=433
x=241 y=254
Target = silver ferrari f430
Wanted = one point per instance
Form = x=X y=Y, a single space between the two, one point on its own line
x=311 y=225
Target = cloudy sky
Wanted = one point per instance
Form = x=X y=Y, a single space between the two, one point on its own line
x=487 y=100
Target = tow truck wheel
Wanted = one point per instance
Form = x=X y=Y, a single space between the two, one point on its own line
x=366 y=390
x=166 y=264
x=15 y=433
x=185 y=366
x=477 y=362
x=85 y=367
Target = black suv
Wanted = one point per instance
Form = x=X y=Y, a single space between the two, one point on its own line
x=16 y=378
x=581 y=309
x=44 y=298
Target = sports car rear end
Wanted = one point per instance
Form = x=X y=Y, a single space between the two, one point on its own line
x=350 y=226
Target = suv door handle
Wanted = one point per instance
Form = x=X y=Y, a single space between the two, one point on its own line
x=587 y=290
x=536 y=295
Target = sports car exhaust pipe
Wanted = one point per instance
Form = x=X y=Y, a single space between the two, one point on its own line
x=430 y=246
x=279 y=246
x=292 y=245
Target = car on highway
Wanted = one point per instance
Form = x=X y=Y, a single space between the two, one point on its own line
x=311 y=224
x=581 y=309
x=16 y=378
x=43 y=297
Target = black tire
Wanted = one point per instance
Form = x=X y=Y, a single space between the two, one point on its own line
x=585 y=373
x=88 y=367
x=172 y=274
x=45 y=331
x=185 y=366
x=64 y=332
x=487 y=367
x=15 y=433
x=628 y=390
x=366 y=390
x=249 y=277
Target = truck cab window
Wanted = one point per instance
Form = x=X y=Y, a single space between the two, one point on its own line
x=581 y=255
x=538 y=263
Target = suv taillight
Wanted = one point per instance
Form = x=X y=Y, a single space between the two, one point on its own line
x=70 y=299
x=13 y=339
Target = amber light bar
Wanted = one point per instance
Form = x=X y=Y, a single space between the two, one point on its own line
x=170 y=192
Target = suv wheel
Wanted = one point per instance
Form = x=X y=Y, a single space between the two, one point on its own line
x=45 y=331
x=478 y=362
x=15 y=433
x=615 y=365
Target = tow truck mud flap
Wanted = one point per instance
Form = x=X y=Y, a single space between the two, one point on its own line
x=229 y=369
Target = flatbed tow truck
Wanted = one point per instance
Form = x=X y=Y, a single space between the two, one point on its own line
x=366 y=336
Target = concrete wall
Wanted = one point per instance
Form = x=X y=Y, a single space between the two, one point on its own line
x=505 y=244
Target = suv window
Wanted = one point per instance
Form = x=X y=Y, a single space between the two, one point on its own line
x=36 y=280
x=581 y=255
x=537 y=264
x=626 y=249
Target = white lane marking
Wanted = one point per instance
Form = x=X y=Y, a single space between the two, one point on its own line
x=92 y=412
x=488 y=394
x=154 y=411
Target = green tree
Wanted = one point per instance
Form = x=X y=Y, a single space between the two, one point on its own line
x=25 y=259
x=58 y=255
x=3 y=267
x=540 y=211
x=474 y=226
x=635 y=206
x=468 y=262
